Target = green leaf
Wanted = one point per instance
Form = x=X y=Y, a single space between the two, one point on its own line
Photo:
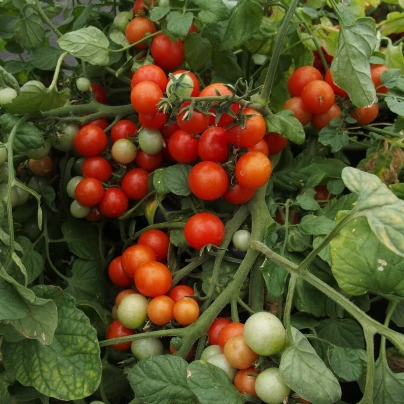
x=28 y=136
x=157 y=13
x=306 y=200
x=350 y=67
x=32 y=260
x=398 y=316
x=89 y=44
x=12 y=306
x=29 y=31
x=333 y=135
x=45 y=58
x=178 y=24
x=244 y=22
x=275 y=279
x=197 y=50
x=361 y=263
x=393 y=24
x=334 y=205
x=83 y=17
x=119 y=38
x=395 y=105
x=343 y=332
x=35 y=97
x=211 y=385
x=302 y=320
x=7 y=25
x=212 y=11
x=176 y=179
x=161 y=379
x=158 y=182
x=9 y=79
x=226 y=66
x=82 y=239
x=309 y=300
x=346 y=362
x=300 y=366
x=390 y=78
x=87 y=281
x=69 y=368
x=384 y=211
x=285 y=123
x=316 y=225
x=388 y=386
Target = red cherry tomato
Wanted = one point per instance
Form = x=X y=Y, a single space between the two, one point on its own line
x=183 y=147
x=117 y=330
x=300 y=78
x=238 y=195
x=276 y=142
x=150 y=73
x=318 y=97
x=296 y=105
x=147 y=161
x=229 y=331
x=337 y=90
x=320 y=121
x=123 y=129
x=117 y=274
x=375 y=72
x=153 y=121
x=158 y=241
x=97 y=167
x=167 y=54
x=135 y=256
x=99 y=93
x=90 y=141
x=153 y=279
x=137 y=29
x=100 y=122
x=139 y=6
x=261 y=147
x=213 y=145
x=218 y=324
x=365 y=115
x=160 y=310
x=179 y=291
x=114 y=203
x=186 y=311
x=145 y=96
x=253 y=170
x=89 y=191
x=197 y=124
x=135 y=184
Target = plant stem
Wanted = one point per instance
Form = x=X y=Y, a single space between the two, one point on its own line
x=289 y=305
x=46 y=19
x=370 y=370
x=57 y=70
x=381 y=131
x=257 y=286
x=164 y=225
x=188 y=269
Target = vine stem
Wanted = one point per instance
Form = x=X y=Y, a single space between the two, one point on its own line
x=46 y=19
x=370 y=370
x=57 y=70
x=289 y=305
x=269 y=79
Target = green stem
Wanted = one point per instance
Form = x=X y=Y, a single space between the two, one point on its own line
x=234 y=311
x=188 y=269
x=57 y=70
x=46 y=19
x=381 y=131
x=257 y=286
x=245 y=306
x=370 y=371
x=164 y=225
x=289 y=305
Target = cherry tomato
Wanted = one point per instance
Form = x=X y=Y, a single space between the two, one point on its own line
x=145 y=96
x=218 y=324
x=280 y=217
x=150 y=73
x=147 y=161
x=167 y=54
x=71 y=185
x=210 y=351
x=261 y=147
x=221 y=362
x=41 y=167
x=123 y=151
x=183 y=147
x=97 y=167
x=99 y=93
x=365 y=115
x=320 y=121
x=322 y=195
x=195 y=90
x=79 y=211
x=117 y=274
x=90 y=141
x=114 y=203
x=208 y=180
x=117 y=330
x=214 y=89
x=238 y=195
x=245 y=383
x=296 y=105
x=122 y=294
x=40 y=152
x=144 y=348
x=238 y=353
x=213 y=145
x=150 y=141
x=158 y=241
x=179 y=291
x=276 y=142
x=375 y=72
x=160 y=310
x=123 y=129
x=89 y=192
x=253 y=170
x=241 y=240
x=153 y=121
x=132 y=310
x=135 y=256
x=318 y=64
x=168 y=130
x=318 y=97
x=153 y=279
x=102 y=123
x=139 y=6
x=337 y=90
x=94 y=215
x=186 y=310
x=121 y=20
x=135 y=184
x=137 y=30
x=229 y=331
x=270 y=387
x=300 y=78
x=202 y=229
x=197 y=124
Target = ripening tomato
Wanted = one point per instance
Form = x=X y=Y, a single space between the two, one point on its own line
x=195 y=90
x=123 y=151
x=179 y=291
x=229 y=331
x=252 y=132
x=337 y=90
x=153 y=279
x=202 y=229
x=245 y=383
x=139 y=6
x=168 y=130
x=145 y=96
x=160 y=310
x=135 y=184
x=320 y=121
x=89 y=192
x=253 y=170
x=183 y=147
x=137 y=29
x=318 y=97
x=296 y=105
x=117 y=330
x=99 y=93
x=218 y=324
x=114 y=203
x=213 y=145
x=196 y=124
x=365 y=115
x=276 y=142
x=135 y=256
x=261 y=147
x=322 y=195
x=238 y=195
x=94 y=215
x=97 y=167
x=122 y=294
x=117 y=274
x=186 y=310
x=318 y=64
x=300 y=78
x=150 y=73
x=214 y=89
x=375 y=72
x=90 y=141
x=153 y=121
x=167 y=54
x=158 y=241
x=208 y=180
x=238 y=353
x=123 y=129
x=41 y=167
x=102 y=123
x=148 y=162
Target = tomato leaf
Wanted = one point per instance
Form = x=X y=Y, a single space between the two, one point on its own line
x=393 y=24
x=119 y=38
x=334 y=205
x=89 y=44
x=212 y=11
x=244 y=22
x=395 y=105
x=7 y=26
x=398 y=316
x=285 y=123
x=333 y=135
x=395 y=56
x=275 y=279
x=158 y=181
x=316 y=225
x=12 y=306
x=178 y=24
x=346 y=362
x=388 y=386
x=210 y=384
x=161 y=379
x=32 y=260
x=300 y=365
x=69 y=368
x=176 y=179
x=45 y=58
x=384 y=211
x=157 y=13
x=198 y=51
x=306 y=200
x=29 y=31
x=226 y=66
x=350 y=67
x=82 y=239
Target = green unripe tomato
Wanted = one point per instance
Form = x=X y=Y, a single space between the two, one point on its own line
x=78 y=210
x=121 y=20
x=132 y=311
x=83 y=84
x=97 y=402
x=210 y=351
x=14 y=197
x=264 y=333
x=180 y=86
x=40 y=152
x=150 y=141
x=221 y=362
x=65 y=135
x=37 y=184
x=3 y=155
x=77 y=165
x=7 y=95
x=23 y=195
x=241 y=240
x=31 y=229
x=143 y=348
x=123 y=151
x=270 y=387
x=72 y=184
